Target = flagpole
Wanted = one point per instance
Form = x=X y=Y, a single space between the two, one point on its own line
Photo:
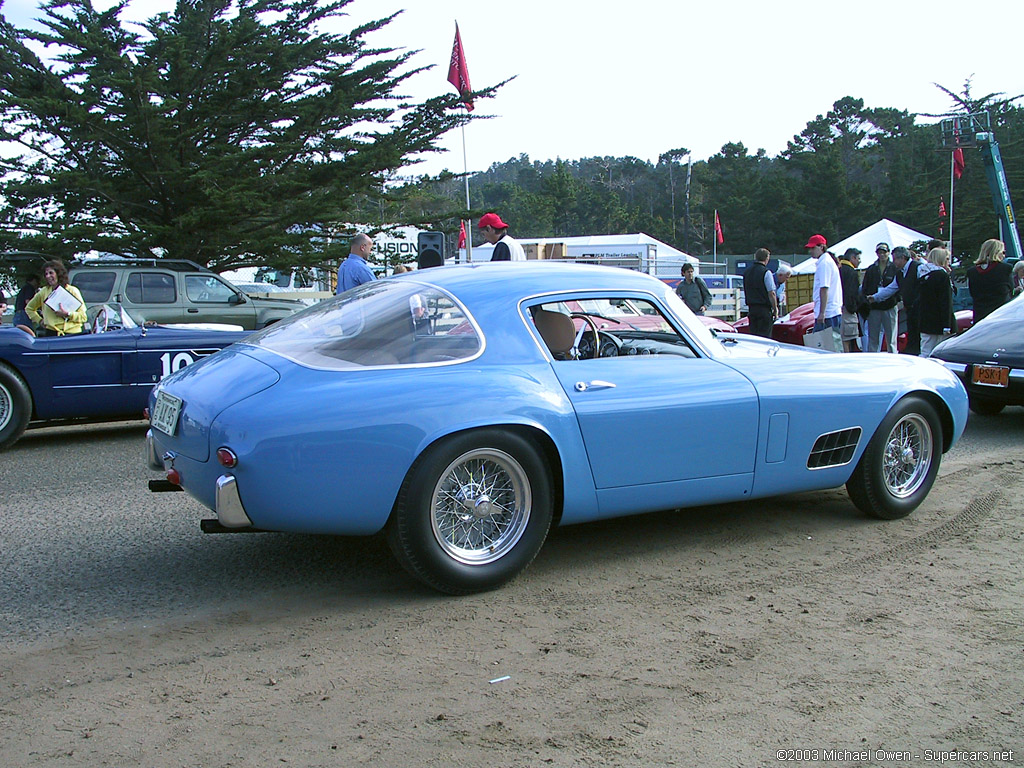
x=952 y=176
x=469 y=222
x=714 y=241
x=458 y=76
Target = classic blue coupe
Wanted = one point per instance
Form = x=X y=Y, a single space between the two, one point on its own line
x=102 y=375
x=466 y=409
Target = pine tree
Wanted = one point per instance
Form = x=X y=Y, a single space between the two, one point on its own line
x=229 y=132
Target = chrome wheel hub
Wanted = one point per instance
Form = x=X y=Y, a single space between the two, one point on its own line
x=908 y=455
x=480 y=506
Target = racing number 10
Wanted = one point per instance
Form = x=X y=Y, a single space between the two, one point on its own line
x=169 y=365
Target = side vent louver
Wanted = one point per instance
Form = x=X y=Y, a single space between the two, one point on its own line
x=834 y=448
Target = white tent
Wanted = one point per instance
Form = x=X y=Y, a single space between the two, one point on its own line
x=883 y=231
x=656 y=257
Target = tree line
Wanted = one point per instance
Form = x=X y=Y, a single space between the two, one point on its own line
x=844 y=171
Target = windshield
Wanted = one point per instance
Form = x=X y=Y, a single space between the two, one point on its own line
x=383 y=323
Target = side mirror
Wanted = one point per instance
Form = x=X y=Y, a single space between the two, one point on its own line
x=239 y=298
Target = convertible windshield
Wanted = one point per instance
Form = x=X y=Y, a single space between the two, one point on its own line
x=384 y=323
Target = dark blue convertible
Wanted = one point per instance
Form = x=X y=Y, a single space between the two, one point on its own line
x=105 y=374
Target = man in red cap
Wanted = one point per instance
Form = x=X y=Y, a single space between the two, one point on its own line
x=828 y=289
x=495 y=232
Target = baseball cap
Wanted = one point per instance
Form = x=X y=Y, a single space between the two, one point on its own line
x=816 y=240
x=491 y=220
x=882 y=247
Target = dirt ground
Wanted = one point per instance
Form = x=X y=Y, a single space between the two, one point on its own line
x=793 y=631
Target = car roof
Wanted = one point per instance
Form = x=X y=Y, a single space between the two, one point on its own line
x=522 y=279
x=175 y=265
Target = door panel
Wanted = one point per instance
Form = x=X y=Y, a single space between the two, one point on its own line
x=665 y=418
x=87 y=373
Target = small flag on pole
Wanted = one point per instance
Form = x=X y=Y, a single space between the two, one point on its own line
x=958 y=163
x=719 y=238
x=462 y=234
x=458 y=72
x=942 y=208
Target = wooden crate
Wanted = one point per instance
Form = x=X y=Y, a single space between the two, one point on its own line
x=799 y=290
x=545 y=250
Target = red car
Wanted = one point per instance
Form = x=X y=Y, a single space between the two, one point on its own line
x=791 y=328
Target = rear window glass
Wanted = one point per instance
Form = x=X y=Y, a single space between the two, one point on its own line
x=150 y=288
x=383 y=323
x=95 y=287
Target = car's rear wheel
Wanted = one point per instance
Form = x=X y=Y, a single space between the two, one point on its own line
x=898 y=468
x=15 y=407
x=473 y=512
x=985 y=407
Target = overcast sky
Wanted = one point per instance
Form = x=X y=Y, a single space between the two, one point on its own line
x=638 y=78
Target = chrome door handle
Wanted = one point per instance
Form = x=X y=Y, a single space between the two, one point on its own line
x=583 y=386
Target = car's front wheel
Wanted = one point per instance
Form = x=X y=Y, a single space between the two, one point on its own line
x=899 y=466
x=473 y=512
x=15 y=407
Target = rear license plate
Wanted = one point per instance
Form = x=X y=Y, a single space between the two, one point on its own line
x=165 y=413
x=991 y=375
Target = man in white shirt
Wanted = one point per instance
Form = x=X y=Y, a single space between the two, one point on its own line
x=828 y=288
x=495 y=231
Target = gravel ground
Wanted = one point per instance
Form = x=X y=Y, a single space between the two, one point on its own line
x=788 y=631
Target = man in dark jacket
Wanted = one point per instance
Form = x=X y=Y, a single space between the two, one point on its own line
x=881 y=320
x=850 y=279
x=759 y=292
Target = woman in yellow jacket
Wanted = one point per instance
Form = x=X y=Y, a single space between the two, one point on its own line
x=62 y=321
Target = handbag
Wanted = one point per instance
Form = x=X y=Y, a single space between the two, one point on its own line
x=827 y=339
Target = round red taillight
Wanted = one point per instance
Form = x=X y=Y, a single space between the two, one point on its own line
x=227 y=457
x=174 y=476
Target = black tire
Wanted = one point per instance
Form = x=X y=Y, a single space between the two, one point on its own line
x=984 y=407
x=15 y=407
x=473 y=512
x=896 y=472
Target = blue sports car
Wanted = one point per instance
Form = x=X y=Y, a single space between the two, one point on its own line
x=101 y=375
x=464 y=410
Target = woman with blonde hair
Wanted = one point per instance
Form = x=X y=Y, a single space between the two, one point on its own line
x=935 y=300
x=990 y=280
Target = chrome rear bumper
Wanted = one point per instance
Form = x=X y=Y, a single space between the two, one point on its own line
x=230 y=511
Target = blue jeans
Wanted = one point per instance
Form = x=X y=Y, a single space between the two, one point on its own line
x=830 y=322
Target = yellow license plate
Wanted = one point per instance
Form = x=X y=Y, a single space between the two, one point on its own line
x=991 y=375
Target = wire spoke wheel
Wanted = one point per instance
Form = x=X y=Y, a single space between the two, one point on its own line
x=6 y=406
x=907 y=455
x=473 y=511
x=481 y=506
x=900 y=463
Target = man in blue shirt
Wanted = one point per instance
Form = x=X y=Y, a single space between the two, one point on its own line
x=354 y=270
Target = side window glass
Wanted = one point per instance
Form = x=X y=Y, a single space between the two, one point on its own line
x=208 y=289
x=95 y=287
x=150 y=288
x=589 y=328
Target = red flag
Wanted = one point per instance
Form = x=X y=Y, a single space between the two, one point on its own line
x=458 y=72
x=958 y=163
x=719 y=238
x=942 y=208
x=462 y=234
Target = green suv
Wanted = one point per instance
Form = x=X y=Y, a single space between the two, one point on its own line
x=174 y=291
